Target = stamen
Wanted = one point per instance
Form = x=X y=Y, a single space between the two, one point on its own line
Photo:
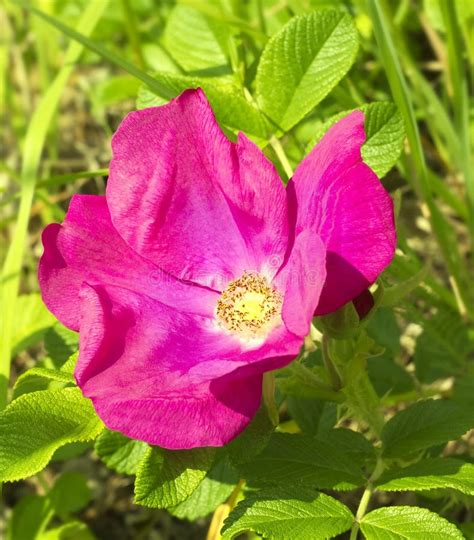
x=249 y=306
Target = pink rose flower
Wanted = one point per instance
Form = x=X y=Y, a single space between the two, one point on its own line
x=198 y=271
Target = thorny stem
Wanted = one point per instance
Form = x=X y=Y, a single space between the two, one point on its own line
x=365 y=499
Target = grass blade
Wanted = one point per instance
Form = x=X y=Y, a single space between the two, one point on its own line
x=442 y=230
x=460 y=98
x=88 y=43
x=34 y=143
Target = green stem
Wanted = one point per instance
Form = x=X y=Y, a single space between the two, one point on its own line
x=331 y=369
x=366 y=497
x=268 y=395
x=280 y=152
x=309 y=380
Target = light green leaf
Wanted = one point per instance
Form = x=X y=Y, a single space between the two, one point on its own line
x=384 y=130
x=119 y=452
x=45 y=373
x=38 y=378
x=70 y=493
x=114 y=90
x=302 y=63
x=33 y=426
x=435 y=473
x=407 y=523
x=299 y=459
x=196 y=42
x=424 y=424
x=73 y=530
x=165 y=477
x=216 y=488
x=31 y=321
x=385 y=134
x=299 y=514
x=228 y=103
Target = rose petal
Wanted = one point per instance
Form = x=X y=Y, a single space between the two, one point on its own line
x=150 y=369
x=336 y=193
x=185 y=197
x=302 y=278
x=86 y=247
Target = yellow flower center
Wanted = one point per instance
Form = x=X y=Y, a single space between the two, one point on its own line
x=249 y=306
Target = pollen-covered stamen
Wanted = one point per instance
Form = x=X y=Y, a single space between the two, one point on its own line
x=249 y=306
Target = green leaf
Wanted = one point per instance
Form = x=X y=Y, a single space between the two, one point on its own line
x=298 y=514
x=384 y=130
x=114 y=90
x=299 y=459
x=39 y=378
x=443 y=346
x=228 y=103
x=119 y=452
x=424 y=424
x=196 y=42
x=407 y=522
x=73 y=530
x=302 y=63
x=167 y=477
x=435 y=473
x=306 y=413
x=60 y=343
x=384 y=329
x=70 y=493
x=353 y=444
x=394 y=295
x=45 y=373
x=33 y=426
x=31 y=321
x=253 y=439
x=216 y=488
x=385 y=135
x=30 y=516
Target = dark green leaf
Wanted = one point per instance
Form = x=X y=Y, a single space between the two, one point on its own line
x=300 y=459
x=70 y=493
x=424 y=424
x=253 y=440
